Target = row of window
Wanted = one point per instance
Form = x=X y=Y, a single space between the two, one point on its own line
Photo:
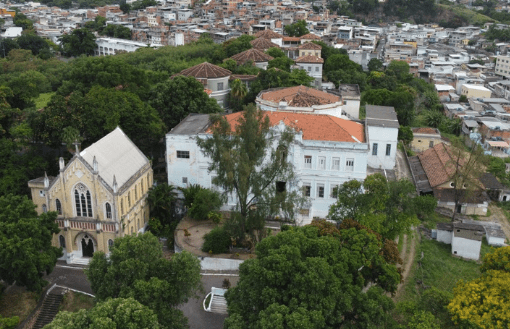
x=335 y=163
x=375 y=147
x=320 y=190
x=136 y=197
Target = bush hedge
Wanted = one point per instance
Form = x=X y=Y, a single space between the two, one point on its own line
x=217 y=241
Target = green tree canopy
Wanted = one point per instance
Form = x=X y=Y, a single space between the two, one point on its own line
x=275 y=52
x=175 y=98
x=32 y=42
x=22 y=21
x=282 y=63
x=136 y=268
x=387 y=207
x=375 y=65
x=79 y=42
x=301 y=279
x=237 y=45
x=26 y=253
x=296 y=29
x=112 y=313
x=249 y=159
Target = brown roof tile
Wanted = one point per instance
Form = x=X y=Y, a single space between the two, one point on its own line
x=309 y=59
x=206 y=70
x=253 y=55
x=299 y=96
x=310 y=46
x=291 y=39
x=310 y=36
x=314 y=126
x=243 y=77
x=268 y=34
x=425 y=130
x=439 y=164
x=262 y=43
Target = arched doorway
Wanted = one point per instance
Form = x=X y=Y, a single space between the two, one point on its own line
x=86 y=245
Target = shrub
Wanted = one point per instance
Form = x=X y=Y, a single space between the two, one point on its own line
x=217 y=241
x=9 y=323
x=205 y=201
x=215 y=216
x=190 y=193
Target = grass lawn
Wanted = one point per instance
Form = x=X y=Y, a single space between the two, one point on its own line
x=43 y=100
x=74 y=301
x=438 y=268
x=17 y=302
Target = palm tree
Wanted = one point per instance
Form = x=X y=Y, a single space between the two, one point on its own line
x=434 y=118
x=238 y=91
x=161 y=201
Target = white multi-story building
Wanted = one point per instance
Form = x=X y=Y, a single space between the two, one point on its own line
x=503 y=66
x=112 y=46
x=382 y=136
x=327 y=151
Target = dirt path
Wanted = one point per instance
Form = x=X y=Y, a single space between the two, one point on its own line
x=498 y=216
x=409 y=245
x=408 y=254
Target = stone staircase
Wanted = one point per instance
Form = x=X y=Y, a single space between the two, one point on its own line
x=48 y=309
x=81 y=261
x=219 y=305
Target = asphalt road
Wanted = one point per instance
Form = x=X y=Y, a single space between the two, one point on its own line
x=75 y=278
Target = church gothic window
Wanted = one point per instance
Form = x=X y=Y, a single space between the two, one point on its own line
x=58 y=206
x=108 y=209
x=83 y=201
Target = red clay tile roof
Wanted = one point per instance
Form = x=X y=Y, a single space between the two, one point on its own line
x=299 y=96
x=253 y=55
x=243 y=77
x=310 y=46
x=425 y=130
x=313 y=126
x=309 y=59
x=206 y=70
x=262 y=43
x=310 y=36
x=438 y=163
x=268 y=34
x=291 y=39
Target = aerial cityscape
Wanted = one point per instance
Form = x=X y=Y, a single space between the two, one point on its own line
x=254 y=165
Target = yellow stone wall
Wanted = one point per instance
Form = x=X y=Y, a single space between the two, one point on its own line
x=420 y=144
x=130 y=210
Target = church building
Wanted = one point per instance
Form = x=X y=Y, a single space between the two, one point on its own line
x=99 y=195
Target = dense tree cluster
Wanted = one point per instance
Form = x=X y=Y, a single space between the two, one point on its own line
x=137 y=269
x=314 y=278
x=26 y=253
x=389 y=208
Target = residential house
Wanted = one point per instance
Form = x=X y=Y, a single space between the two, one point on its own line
x=475 y=91
x=313 y=66
x=213 y=77
x=382 y=136
x=437 y=166
x=257 y=57
x=99 y=195
x=425 y=138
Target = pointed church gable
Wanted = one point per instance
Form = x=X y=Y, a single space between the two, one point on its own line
x=116 y=155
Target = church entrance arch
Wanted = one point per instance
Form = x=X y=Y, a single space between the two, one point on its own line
x=86 y=244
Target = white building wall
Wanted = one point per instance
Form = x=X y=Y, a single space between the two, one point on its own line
x=466 y=248
x=444 y=236
x=351 y=107
x=382 y=136
x=323 y=171
x=495 y=241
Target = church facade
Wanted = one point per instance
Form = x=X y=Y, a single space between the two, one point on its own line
x=99 y=195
